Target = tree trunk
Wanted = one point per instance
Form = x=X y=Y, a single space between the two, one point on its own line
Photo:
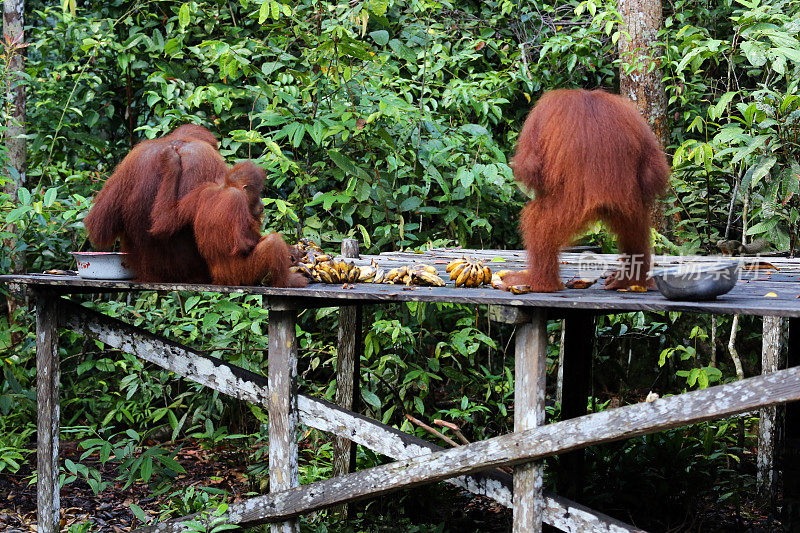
x=638 y=79
x=15 y=121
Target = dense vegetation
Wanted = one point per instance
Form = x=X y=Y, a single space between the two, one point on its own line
x=390 y=122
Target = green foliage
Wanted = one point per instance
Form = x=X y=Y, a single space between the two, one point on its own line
x=734 y=85
x=699 y=375
x=45 y=223
x=391 y=122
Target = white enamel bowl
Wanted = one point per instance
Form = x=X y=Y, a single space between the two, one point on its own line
x=102 y=265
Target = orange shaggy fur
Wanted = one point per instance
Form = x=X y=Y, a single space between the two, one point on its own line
x=587 y=155
x=227 y=226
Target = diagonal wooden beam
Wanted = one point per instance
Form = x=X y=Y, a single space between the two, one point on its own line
x=314 y=412
x=533 y=444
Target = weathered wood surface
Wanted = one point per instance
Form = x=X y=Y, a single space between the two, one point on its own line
x=313 y=412
x=558 y=511
x=284 y=470
x=48 y=409
x=534 y=444
x=530 y=372
x=347 y=370
x=747 y=298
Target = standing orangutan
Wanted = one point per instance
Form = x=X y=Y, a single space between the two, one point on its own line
x=587 y=155
x=226 y=218
x=143 y=192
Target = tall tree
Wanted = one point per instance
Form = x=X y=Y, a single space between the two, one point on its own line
x=13 y=29
x=14 y=111
x=640 y=78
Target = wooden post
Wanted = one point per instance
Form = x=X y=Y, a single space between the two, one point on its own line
x=348 y=368
x=579 y=334
x=47 y=404
x=530 y=369
x=283 y=417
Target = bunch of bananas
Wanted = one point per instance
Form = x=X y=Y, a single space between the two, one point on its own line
x=468 y=272
x=305 y=246
x=324 y=269
x=414 y=275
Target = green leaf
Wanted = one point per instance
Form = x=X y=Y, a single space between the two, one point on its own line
x=755 y=53
x=419 y=405
x=184 y=15
x=18 y=213
x=138 y=513
x=403 y=51
x=379 y=7
x=409 y=204
x=716 y=111
x=381 y=37
x=24 y=196
x=263 y=13
x=210 y=320
x=147 y=469
x=371 y=398
x=343 y=162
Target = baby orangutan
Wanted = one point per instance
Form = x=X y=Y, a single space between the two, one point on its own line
x=587 y=155
x=227 y=228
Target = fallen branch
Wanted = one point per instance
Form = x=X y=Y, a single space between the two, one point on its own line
x=432 y=431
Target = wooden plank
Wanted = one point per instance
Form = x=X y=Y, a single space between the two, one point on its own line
x=772 y=342
x=745 y=298
x=348 y=358
x=495 y=484
x=283 y=417
x=48 y=413
x=530 y=372
x=579 y=336
x=533 y=444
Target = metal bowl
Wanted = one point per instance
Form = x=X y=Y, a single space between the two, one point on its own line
x=697 y=281
x=102 y=265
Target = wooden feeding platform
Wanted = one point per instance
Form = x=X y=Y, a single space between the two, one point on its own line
x=772 y=291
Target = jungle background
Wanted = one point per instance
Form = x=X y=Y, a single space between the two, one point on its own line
x=393 y=123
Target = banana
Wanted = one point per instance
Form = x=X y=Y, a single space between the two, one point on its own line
x=458 y=269
x=393 y=274
x=479 y=276
x=366 y=274
x=427 y=268
x=380 y=276
x=454 y=263
x=343 y=269
x=425 y=277
x=303 y=269
x=476 y=276
x=355 y=273
x=497 y=282
x=463 y=275
x=519 y=289
x=325 y=277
